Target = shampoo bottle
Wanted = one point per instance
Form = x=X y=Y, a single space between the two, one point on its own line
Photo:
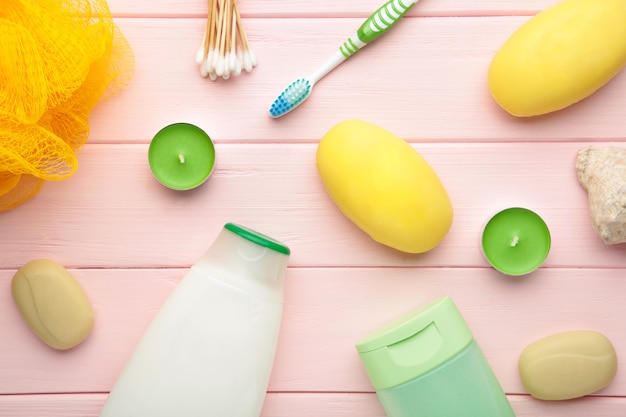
x=427 y=364
x=209 y=350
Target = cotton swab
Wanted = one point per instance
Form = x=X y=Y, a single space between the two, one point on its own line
x=225 y=50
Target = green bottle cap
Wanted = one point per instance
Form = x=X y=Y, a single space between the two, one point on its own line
x=258 y=238
x=414 y=344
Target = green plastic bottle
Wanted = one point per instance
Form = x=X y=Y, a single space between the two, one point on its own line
x=427 y=364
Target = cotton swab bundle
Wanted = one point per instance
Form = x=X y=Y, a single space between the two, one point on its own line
x=225 y=50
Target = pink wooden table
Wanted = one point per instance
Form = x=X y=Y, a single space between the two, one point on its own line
x=129 y=240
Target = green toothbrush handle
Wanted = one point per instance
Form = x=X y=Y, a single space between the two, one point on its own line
x=376 y=25
x=383 y=19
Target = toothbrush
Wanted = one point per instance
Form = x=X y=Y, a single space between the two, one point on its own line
x=376 y=25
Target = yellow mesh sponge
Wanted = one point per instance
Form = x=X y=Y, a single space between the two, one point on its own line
x=58 y=59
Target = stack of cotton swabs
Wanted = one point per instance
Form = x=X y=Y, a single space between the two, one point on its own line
x=225 y=50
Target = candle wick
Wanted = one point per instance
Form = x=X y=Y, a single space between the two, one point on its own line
x=515 y=241
x=181 y=158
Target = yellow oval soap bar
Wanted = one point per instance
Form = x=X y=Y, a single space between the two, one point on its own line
x=568 y=365
x=384 y=186
x=560 y=56
x=52 y=303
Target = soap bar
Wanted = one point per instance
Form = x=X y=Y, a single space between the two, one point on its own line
x=52 y=303
x=568 y=365
x=384 y=186
x=559 y=57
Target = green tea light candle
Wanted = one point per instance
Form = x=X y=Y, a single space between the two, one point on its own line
x=181 y=156
x=516 y=241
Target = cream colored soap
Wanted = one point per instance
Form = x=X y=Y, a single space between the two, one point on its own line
x=52 y=303
x=568 y=365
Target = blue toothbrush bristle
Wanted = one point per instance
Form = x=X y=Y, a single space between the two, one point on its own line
x=291 y=97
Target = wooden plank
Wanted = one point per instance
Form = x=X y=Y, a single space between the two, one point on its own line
x=426 y=80
x=113 y=213
x=129 y=241
x=305 y=405
x=327 y=310
x=362 y=8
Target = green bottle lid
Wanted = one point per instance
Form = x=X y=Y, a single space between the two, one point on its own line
x=258 y=238
x=414 y=344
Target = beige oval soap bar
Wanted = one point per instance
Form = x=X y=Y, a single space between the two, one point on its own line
x=52 y=303
x=568 y=365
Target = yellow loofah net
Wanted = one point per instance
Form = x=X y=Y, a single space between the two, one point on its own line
x=58 y=59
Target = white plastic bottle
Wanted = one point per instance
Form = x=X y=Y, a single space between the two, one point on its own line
x=209 y=350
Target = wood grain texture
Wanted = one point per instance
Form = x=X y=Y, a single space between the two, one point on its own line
x=327 y=310
x=129 y=241
x=321 y=9
x=308 y=405
x=426 y=80
x=115 y=214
